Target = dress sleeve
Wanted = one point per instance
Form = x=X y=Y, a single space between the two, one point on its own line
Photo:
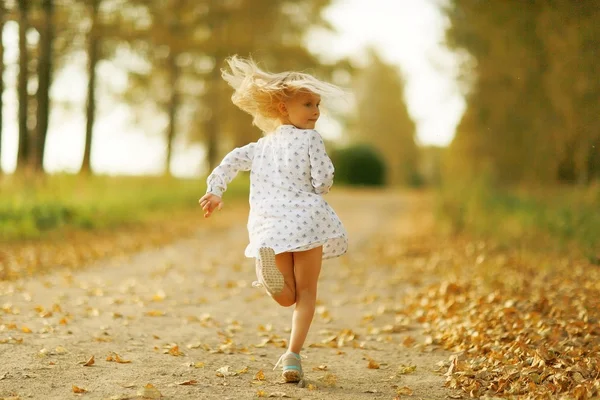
x=239 y=159
x=321 y=167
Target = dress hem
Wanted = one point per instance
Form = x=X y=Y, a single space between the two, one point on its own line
x=248 y=253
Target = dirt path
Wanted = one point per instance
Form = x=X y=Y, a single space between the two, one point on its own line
x=182 y=312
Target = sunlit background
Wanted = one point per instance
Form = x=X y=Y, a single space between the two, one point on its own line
x=493 y=104
x=407 y=34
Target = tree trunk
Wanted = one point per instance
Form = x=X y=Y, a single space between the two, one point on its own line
x=211 y=126
x=173 y=107
x=44 y=79
x=212 y=142
x=582 y=161
x=24 y=150
x=594 y=161
x=93 y=56
x=2 y=16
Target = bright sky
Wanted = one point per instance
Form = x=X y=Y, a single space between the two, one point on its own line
x=407 y=33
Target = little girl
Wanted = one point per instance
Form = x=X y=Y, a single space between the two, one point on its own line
x=291 y=227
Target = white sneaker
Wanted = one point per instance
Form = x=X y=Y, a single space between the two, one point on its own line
x=267 y=273
x=292 y=367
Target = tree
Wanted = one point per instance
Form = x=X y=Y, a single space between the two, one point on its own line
x=170 y=45
x=93 y=44
x=497 y=127
x=192 y=45
x=533 y=95
x=44 y=82
x=383 y=120
x=59 y=31
x=92 y=27
x=24 y=146
x=572 y=84
x=175 y=27
x=278 y=32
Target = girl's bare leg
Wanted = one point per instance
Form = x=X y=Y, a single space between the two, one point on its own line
x=285 y=265
x=307 y=267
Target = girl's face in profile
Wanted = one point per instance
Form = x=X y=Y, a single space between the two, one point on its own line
x=302 y=110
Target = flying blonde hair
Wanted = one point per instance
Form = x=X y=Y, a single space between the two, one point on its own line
x=258 y=92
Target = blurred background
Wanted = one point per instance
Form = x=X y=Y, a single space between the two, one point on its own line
x=493 y=105
x=155 y=68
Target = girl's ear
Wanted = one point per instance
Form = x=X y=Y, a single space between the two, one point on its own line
x=281 y=107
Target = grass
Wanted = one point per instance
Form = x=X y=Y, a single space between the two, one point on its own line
x=561 y=218
x=34 y=209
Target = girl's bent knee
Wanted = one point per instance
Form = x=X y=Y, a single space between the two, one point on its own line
x=284 y=301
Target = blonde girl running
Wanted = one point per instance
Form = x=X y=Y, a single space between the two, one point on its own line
x=291 y=227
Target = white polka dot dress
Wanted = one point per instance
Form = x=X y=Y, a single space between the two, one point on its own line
x=290 y=171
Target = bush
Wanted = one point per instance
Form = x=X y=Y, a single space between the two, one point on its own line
x=359 y=165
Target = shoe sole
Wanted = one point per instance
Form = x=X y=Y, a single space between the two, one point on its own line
x=271 y=276
x=292 y=376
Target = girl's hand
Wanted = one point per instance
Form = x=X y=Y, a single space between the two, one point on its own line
x=209 y=203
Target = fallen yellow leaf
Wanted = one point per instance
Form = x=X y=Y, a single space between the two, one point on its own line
x=89 y=362
x=408 y=341
x=120 y=360
x=186 y=383
x=154 y=313
x=77 y=389
x=260 y=376
x=174 y=351
x=114 y=357
x=160 y=296
x=406 y=369
x=404 y=391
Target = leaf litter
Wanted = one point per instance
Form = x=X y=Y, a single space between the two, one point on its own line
x=520 y=325
x=516 y=329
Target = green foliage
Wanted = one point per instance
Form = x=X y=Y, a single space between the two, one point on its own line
x=185 y=45
x=359 y=165
x=384 y=122
x=29 y=210
x=173 y=52
x=546 y=218
x=532 y=90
